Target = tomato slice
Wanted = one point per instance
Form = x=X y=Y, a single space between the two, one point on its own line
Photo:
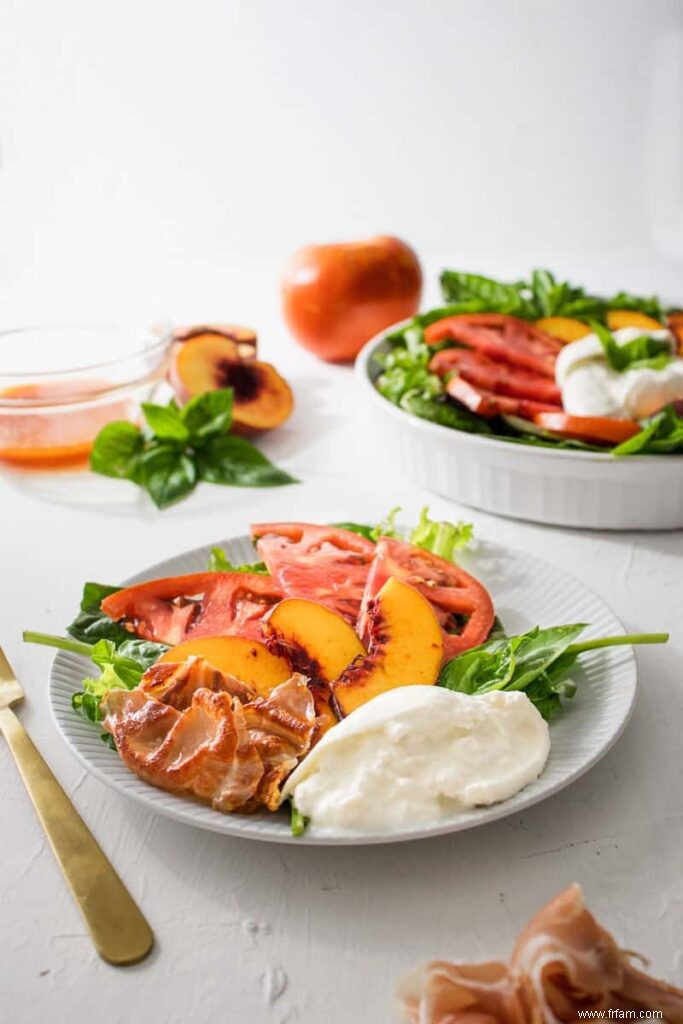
x=595 y=429
x=499 y=337
x=321 y=563
x=462 y=604
x=487 y=404
x=176 y=608
x=501 y=378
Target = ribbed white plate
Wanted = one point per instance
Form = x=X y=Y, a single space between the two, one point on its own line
x=526 y=591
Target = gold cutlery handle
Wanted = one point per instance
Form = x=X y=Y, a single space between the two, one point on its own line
x=119 y=930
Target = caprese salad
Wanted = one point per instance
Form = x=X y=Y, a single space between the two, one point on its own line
x=541 y=362
x=356 y=671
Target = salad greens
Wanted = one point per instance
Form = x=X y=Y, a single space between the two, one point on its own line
x=537 y=662
x=181 y=446
x=440 y=537
x=121 y=667
x=662 y=434
x=298 y=823
x=219 y=562
x=643 y=351
x=539 y=296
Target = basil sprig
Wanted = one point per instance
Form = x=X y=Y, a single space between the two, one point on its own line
x=642 y=352
x=180 y=447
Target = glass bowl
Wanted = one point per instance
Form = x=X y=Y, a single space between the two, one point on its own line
x=60 y=385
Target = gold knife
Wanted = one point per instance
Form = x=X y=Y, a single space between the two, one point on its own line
x=120 y=932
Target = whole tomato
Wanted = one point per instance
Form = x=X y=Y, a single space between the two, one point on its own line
x=336 y=297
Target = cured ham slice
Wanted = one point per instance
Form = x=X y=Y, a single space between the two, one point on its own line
x=563 y=964
x=443 y=993
x=205 y=741
x=568 y=962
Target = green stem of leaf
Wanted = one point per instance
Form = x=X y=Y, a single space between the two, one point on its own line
x=64 y=643
x=617 y=641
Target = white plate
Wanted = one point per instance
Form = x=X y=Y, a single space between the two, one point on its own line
x=526 y=591
x=546 y=485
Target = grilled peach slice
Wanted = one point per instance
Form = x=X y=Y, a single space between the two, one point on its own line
x=243 y=337
x=618 y=318
x=564 y=328
x=316 y=642
x=405 y=648
x=262 y=399
x=247 y=660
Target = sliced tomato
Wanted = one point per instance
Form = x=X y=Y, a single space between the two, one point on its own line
x=501 y=378
x=462 y=604
x=176 y=608
x=594 y=429
x=487 y=404
x=321 y=563
x=499 y=337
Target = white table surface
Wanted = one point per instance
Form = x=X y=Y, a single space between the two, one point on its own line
x=259 y=933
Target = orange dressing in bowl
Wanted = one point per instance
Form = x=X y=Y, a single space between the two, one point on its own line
x=59 y=430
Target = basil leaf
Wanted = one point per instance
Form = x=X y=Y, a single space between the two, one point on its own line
x=167 y=475
x=165 y=422
x=649 y=306
x=642 y=351
x=661 y=435
x=234 y=460
x=116 y=450
x=209 y=414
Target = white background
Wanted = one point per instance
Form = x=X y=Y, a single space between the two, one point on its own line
x=164 y=158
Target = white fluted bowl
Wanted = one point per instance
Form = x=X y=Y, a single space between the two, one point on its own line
x=559 y=486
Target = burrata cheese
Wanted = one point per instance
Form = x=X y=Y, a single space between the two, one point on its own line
x=418 y=755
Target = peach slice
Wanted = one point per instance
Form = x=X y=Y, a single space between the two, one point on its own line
x=618 y=318
x=316 y=642
x=564 y=328
x=405 y=648
x=262 y=399
x=244 y=337
x=247 y=660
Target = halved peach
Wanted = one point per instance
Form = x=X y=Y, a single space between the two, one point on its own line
x=564 y=328
x=618 y=318
x=262 y=399
x=244 y=337
x=247 y=660
x=405 y=648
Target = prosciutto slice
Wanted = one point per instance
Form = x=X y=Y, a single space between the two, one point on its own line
x=186 y=729
x=563 y=963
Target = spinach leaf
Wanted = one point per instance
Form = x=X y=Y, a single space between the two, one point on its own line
x=91 y=624
x=536 y=662
x=661 y=435
x=226 y=459
x=219 y=562
x=497 y=297
x=441 y=410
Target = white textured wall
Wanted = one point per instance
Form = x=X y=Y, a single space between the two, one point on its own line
x=136 y=134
